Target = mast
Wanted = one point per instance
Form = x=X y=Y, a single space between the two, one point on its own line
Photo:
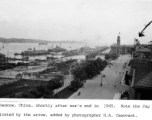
x=7 y=55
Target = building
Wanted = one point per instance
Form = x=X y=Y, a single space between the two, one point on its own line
x=141 y=82
x=2 y=57
x=118 y=40
x=142 y=51
x=139 y=76
x=121 y=49
x=140 y=73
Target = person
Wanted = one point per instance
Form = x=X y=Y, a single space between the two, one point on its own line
x=79 y=93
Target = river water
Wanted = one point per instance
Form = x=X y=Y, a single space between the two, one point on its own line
x=10 y=48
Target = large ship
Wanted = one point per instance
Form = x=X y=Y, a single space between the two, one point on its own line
x=33 y=52
x=57 y=49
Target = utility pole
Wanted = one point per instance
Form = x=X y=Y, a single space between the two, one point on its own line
x=101 y=79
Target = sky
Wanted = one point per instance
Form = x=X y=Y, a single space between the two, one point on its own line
x=91 y=21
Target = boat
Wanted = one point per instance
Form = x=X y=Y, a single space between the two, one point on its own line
x=50 y=58
x=57 y=49
x=43 y=43
x=25 y=58
x=30 y=49
x=35 y=52
x=17 y=53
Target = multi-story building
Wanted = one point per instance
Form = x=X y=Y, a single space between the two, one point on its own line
x=121 y=49
x=140 y=80
x=142 y=51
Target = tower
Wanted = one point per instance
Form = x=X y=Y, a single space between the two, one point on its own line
x=118 y=40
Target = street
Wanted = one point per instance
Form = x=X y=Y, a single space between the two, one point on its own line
x=110 y=83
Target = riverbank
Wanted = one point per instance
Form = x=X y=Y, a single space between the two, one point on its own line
x=40 y=72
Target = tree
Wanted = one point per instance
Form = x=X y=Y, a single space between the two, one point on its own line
x=48 y=93
x=75 y=84
x=41 y=89
x=22 y=95
x=34 y=93
x=79 y=73
x=107 y=56
x=91 y=70
x=50 y=85
x=56 y=82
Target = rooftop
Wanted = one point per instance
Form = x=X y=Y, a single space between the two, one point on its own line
x=137 y=62
x=143 y=75
x=144 y=50
x=145 y=82
x=132 y=46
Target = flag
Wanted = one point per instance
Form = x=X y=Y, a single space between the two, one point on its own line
x=136 y=40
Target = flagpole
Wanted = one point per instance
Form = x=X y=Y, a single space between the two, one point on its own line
x=134 y=44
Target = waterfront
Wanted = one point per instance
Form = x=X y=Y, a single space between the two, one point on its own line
x=21 y=76
x=10 y=49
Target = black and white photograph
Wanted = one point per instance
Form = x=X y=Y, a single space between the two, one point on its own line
x=76 y=49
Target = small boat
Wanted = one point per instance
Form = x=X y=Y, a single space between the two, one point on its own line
x=43 y=43
x=30 y=49
x=25 y=58
x=17 y=54
x=50 y=58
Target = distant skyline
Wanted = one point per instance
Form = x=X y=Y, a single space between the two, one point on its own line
x=92 y=21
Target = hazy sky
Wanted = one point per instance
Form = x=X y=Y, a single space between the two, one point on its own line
x=96 y=21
